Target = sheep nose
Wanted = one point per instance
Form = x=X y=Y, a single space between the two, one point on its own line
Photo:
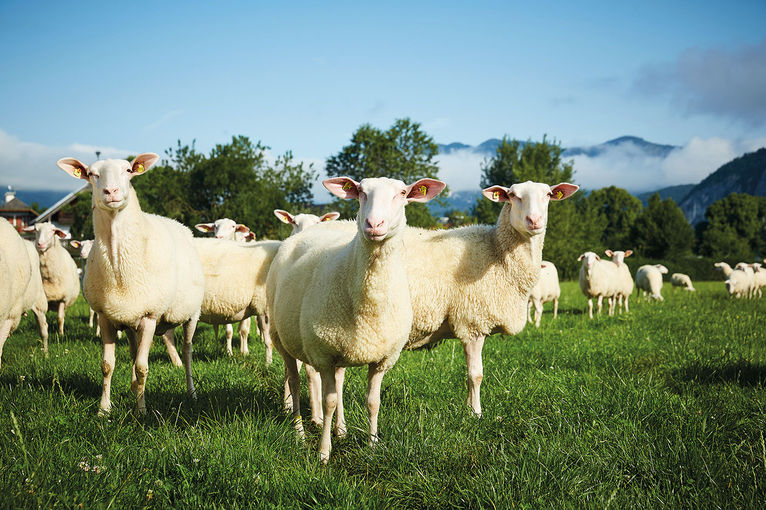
x=110 y=191
x=535 y=221
x=375 y=223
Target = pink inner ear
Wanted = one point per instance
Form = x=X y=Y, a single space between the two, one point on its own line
x=342 y=187
x=424 y=190
x=204 y=227
x=242 y=228
x=496 y=193
x=563 y=190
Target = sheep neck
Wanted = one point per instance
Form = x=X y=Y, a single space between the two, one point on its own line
x=515 y=248
x=111 y=229
x=375 y=261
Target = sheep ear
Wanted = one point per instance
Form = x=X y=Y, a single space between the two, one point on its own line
x=244 y=229
x=580 y=257
x=75 y=244
x=424 y=190
x=205 y=227
x=563 y=190
x=628 y=253
x=342 y=187
x=142 y=163
x=330 y=216
x=497 y=193
x=609 y=253
x=74 y=167
x=250 y=236
x=30 y=228
x=60 y=233
x=598 y=258
x=284 y=216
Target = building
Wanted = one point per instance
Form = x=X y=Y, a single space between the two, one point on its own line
x=15 y=211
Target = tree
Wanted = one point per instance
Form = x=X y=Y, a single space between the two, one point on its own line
x=620 y=209
x=402 y=152
x=661 y=230
x=735 y=228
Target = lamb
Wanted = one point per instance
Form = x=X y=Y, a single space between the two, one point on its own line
x=597 y=280
x=61 y=280
x=546 y=289
x=624 y=284
x=84 y=248
x=143 y=274
x=760 y=277
x=301 y=222
x=337 y=300
x=682 y=280
x=649 y=279
x=21 y=286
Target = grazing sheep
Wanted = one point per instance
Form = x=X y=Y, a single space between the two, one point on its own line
x=597 y=280
x=649 y=280
x=682 y=280
x=624 y=284
x=750 y=277
x=338 y=301
x=760 y=277
x=301 y=222
x=723 y=267
x=546 y=289
x=21 y=286
x=84 y=247
x=143 y=273
x=61 y=280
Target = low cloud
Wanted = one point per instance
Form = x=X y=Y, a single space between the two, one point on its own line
x=29 y=165
x=461 y=169
x=722 y=82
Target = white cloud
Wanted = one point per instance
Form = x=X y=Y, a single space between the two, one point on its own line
x=461 y=169
x=30 y=165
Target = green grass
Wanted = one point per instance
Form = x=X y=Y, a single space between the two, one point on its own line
x=662 y=407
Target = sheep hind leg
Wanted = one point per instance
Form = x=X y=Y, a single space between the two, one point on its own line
x=314 y=382
x=61 y=316
x=265 y=330
x=288 y=399
x=555 y=308
x=244 y=334
x=340 y=419
x=374 y=380
x=229 y=336
x=538 y=313
x=5 y=332
x=473 y=361
x=330 y=401
x=294 y=389
x=42 y=325
x=144 y=337
x=190 y=327
x=170 y=344
x=108 y=334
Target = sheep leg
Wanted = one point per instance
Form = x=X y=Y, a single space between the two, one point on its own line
x=244 y=333
x=294 y=389
x=314 y=382
x=600 y=303
x=330 y=395
x=340 y=419
x=108 y=334
x=42 y=325
x=555 y=307
x=229 y=335
x=473 y=362
x=265 y=331
x=374 y=380
x=288 y=396
x=61 y=314
x=538 y=313
x=144 y=336
x=529 y=312
x=215 y=332
x=189 y=327
x=170 y=344
x=98 y=324
x=627 y=309
x=590 y=307
x=133 y=346
x=5 y=332
x=91 y=313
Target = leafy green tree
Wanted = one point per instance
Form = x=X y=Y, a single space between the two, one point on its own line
x=735 y=228
x=620 y=209
x=661 y=230
x=80 y=209
x=403 y=152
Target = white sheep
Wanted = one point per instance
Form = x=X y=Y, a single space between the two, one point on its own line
x=649 y=280
x=225 y=228
x=624 y=285
x=84 y=248
x=750 y=277
x=546 y=289
x=682 y=280
x=143 y=273
x=61 y=281
x=21 y=285
x=760 y=277
x=337 y=300
x=598 y=280
x=301 y=222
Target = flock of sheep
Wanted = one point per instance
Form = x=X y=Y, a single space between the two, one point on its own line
x=333 y=294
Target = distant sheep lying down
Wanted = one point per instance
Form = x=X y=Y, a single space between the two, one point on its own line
x=546 y=289
x=143 y=274
x=649 y=280
x=682 y=280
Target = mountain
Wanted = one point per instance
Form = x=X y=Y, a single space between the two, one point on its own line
x=44 y=197
x=745 y=174
x=677 y=193
x=462 y=200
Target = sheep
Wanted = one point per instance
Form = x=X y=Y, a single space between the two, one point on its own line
x=760 y=277
x=61 y=280
x=225 y=228
x=750 y=276
x=300 y=222
x=649 y=280
x=546 y=289
x=143 y=274
x=338 y=300
x=682 y=280
x=597 y=280
x=624 y=284
x=84 y=248
x=21 y=286
x=724 y=268
x=235 y=289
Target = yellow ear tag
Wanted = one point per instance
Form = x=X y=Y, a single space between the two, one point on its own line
x=559 y=194
x=77 y=172
x=495 y=196
x=347 y=186
x=140 y=168
x=423 y=190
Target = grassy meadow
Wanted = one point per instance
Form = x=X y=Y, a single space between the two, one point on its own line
x=662 y=407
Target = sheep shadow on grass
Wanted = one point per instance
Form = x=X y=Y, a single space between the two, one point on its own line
x=741 y=372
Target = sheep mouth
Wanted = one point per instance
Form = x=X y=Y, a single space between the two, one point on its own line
x=375 y=235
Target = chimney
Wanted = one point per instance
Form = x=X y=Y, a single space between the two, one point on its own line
x=9 y=195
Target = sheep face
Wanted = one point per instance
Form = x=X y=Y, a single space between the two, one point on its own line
x=301 y=222
x=382 y=201
x=224 y=228
x=109 y=178
x=618 y=257
x=589 y=260
x=662 y=269
x=529 y=203
x=83 y=246
x=45 y=235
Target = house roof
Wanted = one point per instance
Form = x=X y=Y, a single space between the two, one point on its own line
x=16 y=205
x=46 y=215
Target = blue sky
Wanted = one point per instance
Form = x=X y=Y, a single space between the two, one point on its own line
x=303 y=77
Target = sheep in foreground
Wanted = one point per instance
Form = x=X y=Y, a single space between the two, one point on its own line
x=624 y=285
x=235 y=286
x=301 y=222
x=546 y=289
x=21 y=286
x=649 y=280
x=597 y=280
x=682 y=280
x=61 y=281
x=142 y=275
x=84 y=248
x=338 y=301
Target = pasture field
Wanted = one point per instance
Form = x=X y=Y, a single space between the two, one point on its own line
x=662 y=407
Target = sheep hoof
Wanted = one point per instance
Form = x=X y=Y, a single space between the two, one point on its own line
x=324 y=458
x=104 y=412
x=340 y=433
x=141 y=411
x=374 y=441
